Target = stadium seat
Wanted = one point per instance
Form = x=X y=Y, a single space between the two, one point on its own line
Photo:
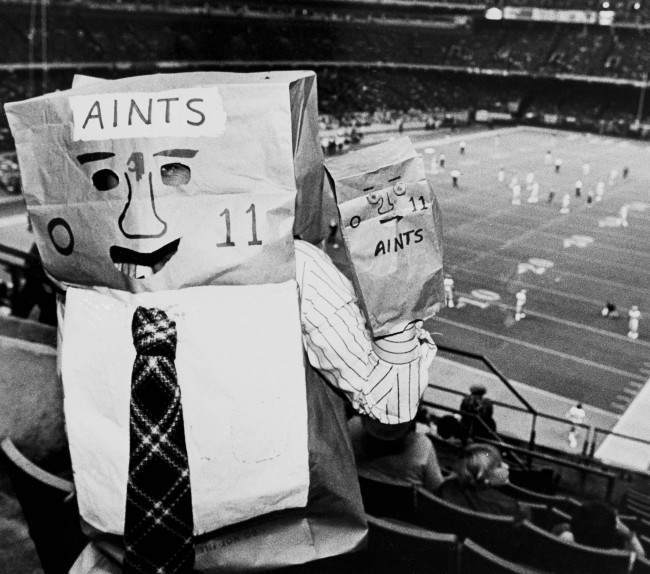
x=562 y=503
x=641 y=512
x=388 y=499
x=475 y=559
x=542 y=549
x=491 y=530
x=394 y=548
x=50 y=510
x=642 y=526
x=632 y=494
x=641 y=566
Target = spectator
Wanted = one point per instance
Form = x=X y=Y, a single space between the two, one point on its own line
x=449 y=428
x=480 y=474
x=476 y=413
x=597 y=524
x=577 y=416
x=394 y=453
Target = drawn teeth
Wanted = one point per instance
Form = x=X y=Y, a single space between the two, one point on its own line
x=134 y=271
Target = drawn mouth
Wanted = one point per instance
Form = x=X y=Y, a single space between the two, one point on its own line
x=137 y=265
x=391 y=218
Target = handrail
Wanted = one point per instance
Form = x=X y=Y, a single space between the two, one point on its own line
x=504 y=380
x=610 y=477
x=497 y=439
x=492 y=368
x=522 y=410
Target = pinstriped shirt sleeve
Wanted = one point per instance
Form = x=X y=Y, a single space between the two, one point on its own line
x=384 y=379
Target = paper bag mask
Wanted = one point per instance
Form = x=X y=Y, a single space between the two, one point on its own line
x=392 y=233
x=149 y=161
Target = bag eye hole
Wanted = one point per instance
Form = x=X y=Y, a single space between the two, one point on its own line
x=175 y=174
x=105 y=179
x=399 y=188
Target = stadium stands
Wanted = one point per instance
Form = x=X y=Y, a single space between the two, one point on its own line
x=394 y=547
x=494 y=531
x=542 y=549
x=50 y=509
x=475 y=559
x=384 y=499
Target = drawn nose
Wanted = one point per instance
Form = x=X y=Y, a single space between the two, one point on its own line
x=385 y=205
x=139 y=218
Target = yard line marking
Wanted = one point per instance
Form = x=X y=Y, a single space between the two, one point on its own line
x=619 y=406
x=505 y=244
x=566 y=322
x=551 y=251
x=546 y=350
x=524 y=388
x=538 y=288
x=622 y=286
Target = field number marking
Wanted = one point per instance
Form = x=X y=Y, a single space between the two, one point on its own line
x=581 y=241
x=536 y=265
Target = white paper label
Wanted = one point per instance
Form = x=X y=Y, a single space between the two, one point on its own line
x=196 y=112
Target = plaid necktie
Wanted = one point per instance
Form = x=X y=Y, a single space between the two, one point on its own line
x=158 y=524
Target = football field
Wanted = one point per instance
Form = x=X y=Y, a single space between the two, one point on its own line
x=569 y=263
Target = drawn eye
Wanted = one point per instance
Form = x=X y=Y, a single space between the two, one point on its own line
x=105 y=179
x=399 y=188
x=175 y=174
x=373 y=198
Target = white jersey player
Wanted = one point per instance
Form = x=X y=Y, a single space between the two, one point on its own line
x=558 y=164
x=613 y=174
x=566 y=201
x=577 y=416
x=600 y=190
x=548 y=158
x=521 y=301
x=461 y=147
x=516 y=194
x=633 y=322
x=501 y=175
x=534 y=193
x=586 y=168
x=530 y=178
x=622 y=214
x=448 y=283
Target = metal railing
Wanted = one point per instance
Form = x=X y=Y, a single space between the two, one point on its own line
x=493 y=369
x=592 y=434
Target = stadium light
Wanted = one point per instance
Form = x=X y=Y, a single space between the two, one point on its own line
x=606 y=5
x=637 y=5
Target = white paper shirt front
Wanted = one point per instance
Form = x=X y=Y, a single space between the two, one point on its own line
x=241 y=374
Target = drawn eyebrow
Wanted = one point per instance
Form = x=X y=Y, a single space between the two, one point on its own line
x=177 y=153
x=94 y=156
x=369 y=188
x=394 y=179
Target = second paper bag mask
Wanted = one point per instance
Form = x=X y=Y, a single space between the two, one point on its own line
x=392 y=233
